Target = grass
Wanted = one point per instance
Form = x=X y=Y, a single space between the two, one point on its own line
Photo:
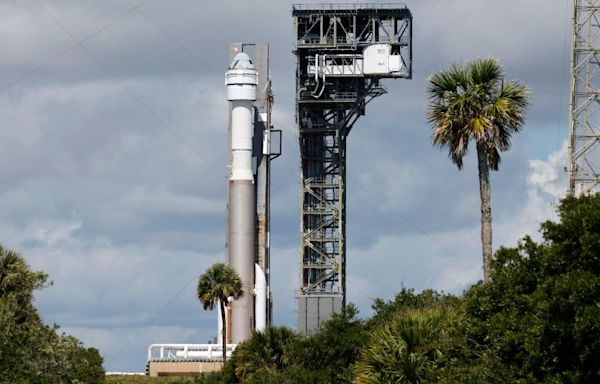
x=147 y=379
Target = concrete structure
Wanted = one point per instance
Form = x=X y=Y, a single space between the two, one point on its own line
x=157 y=368
x=185 y=359
x=343 y=51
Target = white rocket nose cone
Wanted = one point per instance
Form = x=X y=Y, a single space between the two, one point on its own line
x=241 y=61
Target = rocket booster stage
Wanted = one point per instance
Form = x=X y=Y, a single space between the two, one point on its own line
x=242 y=80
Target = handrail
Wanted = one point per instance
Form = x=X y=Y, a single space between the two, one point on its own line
x=187 y=351
x=348 y=6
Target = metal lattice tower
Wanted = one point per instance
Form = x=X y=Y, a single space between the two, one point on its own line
x=583 y=169
x=343 y=50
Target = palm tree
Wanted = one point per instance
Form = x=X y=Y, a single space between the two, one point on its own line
x=265 y=351
x=18 y=281
x=471 y=102
x=404 y=351
x=219 y=283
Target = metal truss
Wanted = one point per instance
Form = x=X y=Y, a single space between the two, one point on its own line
x=332 y=93
x=584 y=136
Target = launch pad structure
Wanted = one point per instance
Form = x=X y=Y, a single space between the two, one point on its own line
x=343 y=51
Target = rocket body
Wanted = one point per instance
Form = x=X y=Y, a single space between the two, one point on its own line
x=241 y=256
x=241 y=80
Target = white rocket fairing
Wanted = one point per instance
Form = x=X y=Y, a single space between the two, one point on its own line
x=242 y=80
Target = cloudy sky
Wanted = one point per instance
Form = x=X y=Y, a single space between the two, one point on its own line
x=113 y=158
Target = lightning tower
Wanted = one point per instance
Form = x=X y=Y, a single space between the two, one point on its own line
x=343 y=51
x=583 y=169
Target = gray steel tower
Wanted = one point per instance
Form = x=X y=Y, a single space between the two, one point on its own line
x=343 y=51
x=583 y=168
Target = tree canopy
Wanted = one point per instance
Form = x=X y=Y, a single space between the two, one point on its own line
x=540 y=316
x=219 y=284
x=536 y=321
x=31 y=352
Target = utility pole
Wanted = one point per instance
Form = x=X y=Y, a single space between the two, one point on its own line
x=583 y=169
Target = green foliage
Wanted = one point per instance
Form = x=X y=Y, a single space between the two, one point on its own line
x=31 y=352
x=279 y=355
x=417 y=346
x=335 y=347
x=218 y=283
x=540 y=315
x=292 y=375
x=225 y=376
x=264 y=352
x=472 y=102
x=213 y=378
x=405 y=300
x=401 y=352
x=536 y=321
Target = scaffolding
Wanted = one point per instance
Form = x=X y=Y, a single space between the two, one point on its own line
x=343 y=51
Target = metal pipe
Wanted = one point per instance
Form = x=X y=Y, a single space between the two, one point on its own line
x=186 y=351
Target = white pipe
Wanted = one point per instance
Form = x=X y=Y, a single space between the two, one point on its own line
x=322 y=88
x=316 y=75
x=219 y=323
x=183 y=351
x=260 y=299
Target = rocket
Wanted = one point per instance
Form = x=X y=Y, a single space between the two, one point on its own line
x=250 y=311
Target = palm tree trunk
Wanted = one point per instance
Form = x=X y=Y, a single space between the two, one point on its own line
x=224 y=336
x=486 y=210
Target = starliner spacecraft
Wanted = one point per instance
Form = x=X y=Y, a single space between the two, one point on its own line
x=253 y=144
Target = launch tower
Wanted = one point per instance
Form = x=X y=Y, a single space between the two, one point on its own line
x=583 y=168
x=343 y=51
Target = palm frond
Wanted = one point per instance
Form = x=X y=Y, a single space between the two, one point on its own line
x=485 y=73
x=218 y=283
x=472 y=102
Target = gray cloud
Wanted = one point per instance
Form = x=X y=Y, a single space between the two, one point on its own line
x=121 y=198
